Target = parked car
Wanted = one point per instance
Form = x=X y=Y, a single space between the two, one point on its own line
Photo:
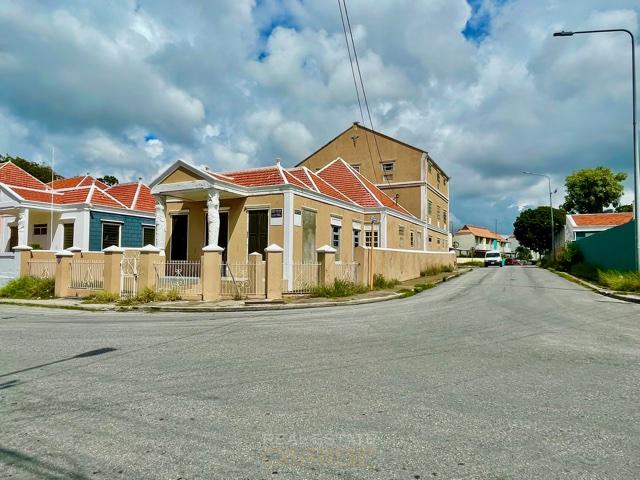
x=511 y=261
x=492 y=257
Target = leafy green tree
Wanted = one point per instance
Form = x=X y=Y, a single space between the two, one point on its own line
x=591 y=190
x=41 y=171
x=109 y=180
x=523 y=253
x=532 y=228
x=624 y=208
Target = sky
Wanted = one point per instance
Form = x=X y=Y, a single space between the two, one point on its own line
x=127 y=87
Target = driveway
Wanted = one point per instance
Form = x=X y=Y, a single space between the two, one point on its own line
x=501 y=373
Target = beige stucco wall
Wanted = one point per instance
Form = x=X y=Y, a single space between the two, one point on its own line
x=407 y=159
x=323 y=227
x=438 y=202
x=181 y=174
x=409 y=197
x=394 y=239
x=403 y=264
x=432 y=178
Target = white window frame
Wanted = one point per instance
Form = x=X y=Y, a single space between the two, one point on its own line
x=149 y=227
x=337 y=228
x=117 y=224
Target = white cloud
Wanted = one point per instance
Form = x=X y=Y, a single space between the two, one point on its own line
x=154 y=147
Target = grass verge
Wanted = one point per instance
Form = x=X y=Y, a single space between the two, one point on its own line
x=430 y=271
x=339 y=288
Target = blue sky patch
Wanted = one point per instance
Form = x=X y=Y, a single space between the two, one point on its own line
x=150 y=136
x=478 y=27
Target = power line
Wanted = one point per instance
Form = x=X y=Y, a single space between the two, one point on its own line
x=364 y=93
x=355 y=84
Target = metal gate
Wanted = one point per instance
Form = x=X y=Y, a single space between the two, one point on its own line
x=128 y=277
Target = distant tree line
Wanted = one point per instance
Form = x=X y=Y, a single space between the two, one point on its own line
x=41 y=171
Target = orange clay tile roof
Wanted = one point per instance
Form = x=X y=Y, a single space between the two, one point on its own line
x=602 y=219
x=255 y=177
x=75 y=190
x=11 y=174
x=124 y=192
x=360 y=190
x=480 y=232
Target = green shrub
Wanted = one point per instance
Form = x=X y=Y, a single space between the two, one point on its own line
x=102 y=297
x=435 y=270
x=624 y=281
x=29 y=288
x=406 y=292
x=339 y=288
x=381 y=283
x=419 y=287
x=568 y=256
x=586 y=271
x=471 y=264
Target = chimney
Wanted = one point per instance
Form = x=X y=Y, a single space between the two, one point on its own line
x=277 y=161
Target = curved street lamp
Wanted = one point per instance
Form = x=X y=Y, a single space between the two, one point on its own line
x=636 y=160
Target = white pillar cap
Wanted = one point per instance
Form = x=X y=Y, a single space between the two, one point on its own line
x=64 y=253
x=273 y=248
x=150 y=249
x=213 y=248
x=113 y=249
x=22 y=248
x=326 y=249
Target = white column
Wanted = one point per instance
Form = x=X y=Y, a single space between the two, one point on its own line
x=288 y=212
x=382 y=233
x=161 y=224
x=213 y=217
x=23 y=227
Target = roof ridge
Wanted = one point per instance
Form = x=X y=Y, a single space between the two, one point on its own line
x=307 y=173
x=24 y=171
x=110 y=196
x=330 y=185
x=135 y=196
x=359 y=177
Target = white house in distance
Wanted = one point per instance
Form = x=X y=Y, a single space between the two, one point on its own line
x=581 y=225
x=479 y=239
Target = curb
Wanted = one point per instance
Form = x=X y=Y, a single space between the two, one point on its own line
x=596 y=289
x=264 y=308
x=59 y=306
x=245 y=308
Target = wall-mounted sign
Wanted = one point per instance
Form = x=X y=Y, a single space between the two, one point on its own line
x=297 y=217
x=276 y=216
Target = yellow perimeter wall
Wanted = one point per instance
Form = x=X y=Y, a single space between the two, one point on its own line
x=401 y=264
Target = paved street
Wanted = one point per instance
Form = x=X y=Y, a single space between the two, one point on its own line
x=500 y=373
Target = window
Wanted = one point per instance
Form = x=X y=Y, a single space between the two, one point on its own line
x=67 y=240
x=412 y=240
x=429 y=166
x=387 y=167
x=356 y=167
x=148 y=236
x=110 y=234
x=335 y=240
x=40 y=229
x=367 y=238
x=438 y=180
x=430 y=239
x=13 y=237
x=438 y=214
x=430 y=207
x=401 y=234
x=438 y=241
x=444 y=217
x=356 y=238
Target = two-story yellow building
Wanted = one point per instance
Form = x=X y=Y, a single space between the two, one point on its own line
x=405 y=173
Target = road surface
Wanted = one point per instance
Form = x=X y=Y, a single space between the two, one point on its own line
x=501 y=373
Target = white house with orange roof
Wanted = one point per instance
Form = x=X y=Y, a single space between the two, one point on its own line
x=298 y=209
x=77 y=212
x=479 y=239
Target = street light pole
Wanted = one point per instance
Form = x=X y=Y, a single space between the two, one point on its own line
x=553 y=234
x=636 y=159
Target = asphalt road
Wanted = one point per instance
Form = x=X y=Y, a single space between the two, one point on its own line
x=500 y=373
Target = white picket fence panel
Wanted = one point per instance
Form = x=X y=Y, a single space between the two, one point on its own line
x=42 y=268
x=87 y=274
x=181 y=276
x=243 y=279
x=305 y=277
x=347 y=271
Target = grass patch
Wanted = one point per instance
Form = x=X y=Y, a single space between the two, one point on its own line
x=381 y=283
x=102 y=297
x=29 y=288
x=471 y=264
x=624 y=281
x=435 y=270
x=149 y=295
x=339 y=288
x=419 y=287
x=406 y=292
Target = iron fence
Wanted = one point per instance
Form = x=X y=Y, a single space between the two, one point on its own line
x=347 y=271
x=181 y=276
x=304 y=277
x=243 y=280
x=42 y=268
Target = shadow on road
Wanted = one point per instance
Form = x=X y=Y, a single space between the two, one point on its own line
x=90 y=353
x=36 y=468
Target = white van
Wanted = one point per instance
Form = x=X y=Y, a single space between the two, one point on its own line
x=492 y=257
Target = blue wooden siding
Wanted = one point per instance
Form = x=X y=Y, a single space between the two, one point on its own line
x=130 y=229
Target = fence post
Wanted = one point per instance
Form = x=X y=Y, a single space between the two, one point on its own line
x=77 y=252
x=255 y=260
x=273 y=255
x=63 y=273
x=327 y=261
x=149 y=256
x=112 y=269
x=210 y=273
x=23 y=255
